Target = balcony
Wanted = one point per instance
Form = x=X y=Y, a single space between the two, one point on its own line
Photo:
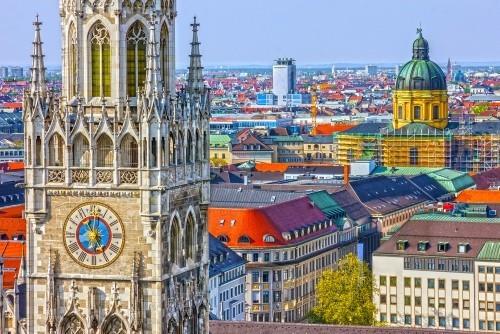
x=104 y=175
x=80 y=175
x=56 y=175
x=128 y=176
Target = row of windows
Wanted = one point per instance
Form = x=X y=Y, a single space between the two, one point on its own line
x=101 y=53
x=12 y=153
x=431 y=321
x=438 y=264
x=488 y=269
x=431 y=302
x=417 y=283
x=417 y=112
x=235 y=310
x=231 y=293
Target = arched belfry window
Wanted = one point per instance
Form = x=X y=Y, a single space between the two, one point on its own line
x=72 y=325
x=180 y=148
x=38 y=151
x=104 y=151
x=56 y=150
x=136 y=58
x=100 y=49
x=81 y=152
x=164 y=55
x=72 y=60
x=129 y=157
x=189 y=148
x=197 y=148
x=171 y=149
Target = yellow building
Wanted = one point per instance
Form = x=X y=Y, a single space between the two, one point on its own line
x=220 y=150
x=318 y=148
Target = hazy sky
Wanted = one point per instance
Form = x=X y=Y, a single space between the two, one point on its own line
x=237 y=32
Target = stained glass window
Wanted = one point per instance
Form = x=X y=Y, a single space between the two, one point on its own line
x=101 y=61
x=136 y=58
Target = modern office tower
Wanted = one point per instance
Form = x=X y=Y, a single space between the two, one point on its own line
x=284 y=79
x=371 y=70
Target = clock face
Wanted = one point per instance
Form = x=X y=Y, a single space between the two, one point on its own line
x=93 y=235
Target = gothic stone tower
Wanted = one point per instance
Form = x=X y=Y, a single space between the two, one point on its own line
x=117 y=177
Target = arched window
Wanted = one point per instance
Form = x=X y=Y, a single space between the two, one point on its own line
x=104 y=151
x=180 y=148
x=138 y=5
x=171 y=149
x=114 y=325
x=38 y=151
x=269 y=238
x=189 y=148
x=72 y=60
x=435 y=112
x=205 y=145
x=400 y=112
x=190 y=239
x=164 y=56
x=163 y=151
x=154 y=153
x=174 y=241
x=28 y=151
x=129 y=152
x=244 y=239
x=136 y=58
x=223 y=238
x=416 y=112
x=197 y=146
x=81 y=153
x=144 y=152
x=72 y=325
x=100 y=49
x=56 y=150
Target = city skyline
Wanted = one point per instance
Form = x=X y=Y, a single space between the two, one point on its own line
x=368 y=33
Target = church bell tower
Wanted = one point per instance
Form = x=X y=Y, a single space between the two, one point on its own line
x=117 y=177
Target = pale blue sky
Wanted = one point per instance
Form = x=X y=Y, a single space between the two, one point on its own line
x=235 y=32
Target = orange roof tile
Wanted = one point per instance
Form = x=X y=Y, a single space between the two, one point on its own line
x=12 y=227
x=475 y=196
x=15 y=211
x=328 y=129
x=271 y=167
x=12 y=253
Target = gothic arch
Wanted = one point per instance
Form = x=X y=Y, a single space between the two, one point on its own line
x=190 y=236
x=165 y=55
x=189 y=147
x=172 y=156
x=104 y=151
x=56 y=148
x=136 y=40
x=81 y=150
x=72 y=58
x=99 y=48
x=72 y=324
x=180 y=147
x=129 y=152
x=114 y=324
x=175 y=239
x=197 y=146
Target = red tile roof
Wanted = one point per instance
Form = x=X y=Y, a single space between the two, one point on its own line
x=473 y=196
x=12 y=227
x=12 y=253
x=15 y=211
x=328 y=129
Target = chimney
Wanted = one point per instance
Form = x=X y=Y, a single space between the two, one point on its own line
x=347 y=173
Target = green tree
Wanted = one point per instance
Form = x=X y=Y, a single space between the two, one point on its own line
x=345 y=295
x=480 y=108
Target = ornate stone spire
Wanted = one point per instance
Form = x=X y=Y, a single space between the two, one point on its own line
x=154 y=85
x=195 y=77
x=38 y=84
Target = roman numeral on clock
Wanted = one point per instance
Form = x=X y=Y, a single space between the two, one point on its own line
x=82 y=256
x=113 y=223
x=93 y=260
x=117 y=235
x=73 y=247
x=114 y=248
x=70 y=235
x=105 y=257
x=81 y=212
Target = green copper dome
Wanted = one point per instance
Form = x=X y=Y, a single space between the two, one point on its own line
x=420 y=73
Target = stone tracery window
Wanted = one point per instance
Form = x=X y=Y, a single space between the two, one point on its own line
x=56 y=150
x=100 y=49
x=190 y=239
x=171 y=149
x=81 y=153
x=174 y=241
x=189 y=148
x=114 y=326
x=104 y=151
x=72 y=60
x=164 y=56
x=72 y=325
x=129 y=152
x=136 y=58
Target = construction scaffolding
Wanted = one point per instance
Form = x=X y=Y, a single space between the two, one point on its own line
x=352 y=147
x=421 y=146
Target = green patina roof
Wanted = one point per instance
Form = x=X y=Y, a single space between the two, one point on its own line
x=436 y=216
x=326 y=204
x=287 y=138
x=421 y=73
x=490 y=251
x=453 y=181
x=220 y=140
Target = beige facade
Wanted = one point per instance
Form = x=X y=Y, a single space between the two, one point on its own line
x=117 y=189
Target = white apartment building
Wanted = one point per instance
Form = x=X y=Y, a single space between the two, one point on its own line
x=440 y=274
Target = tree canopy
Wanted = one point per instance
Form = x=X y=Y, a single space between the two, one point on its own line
x=345 y=295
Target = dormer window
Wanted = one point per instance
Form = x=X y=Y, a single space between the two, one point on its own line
x=422 y=246
x=443 y=246
x=223 y=238
x=402 y=245
x=244 y=239
x=269 y=238
x=221 y=222
x=463 y=248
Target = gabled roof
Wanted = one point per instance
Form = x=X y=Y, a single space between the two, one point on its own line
x=12 y=253
x=479 y=196
x=224 y=197
x=326 y=204
x=352 y=206
x=222 y=258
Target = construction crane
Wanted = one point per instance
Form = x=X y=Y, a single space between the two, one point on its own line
x=314 y=108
